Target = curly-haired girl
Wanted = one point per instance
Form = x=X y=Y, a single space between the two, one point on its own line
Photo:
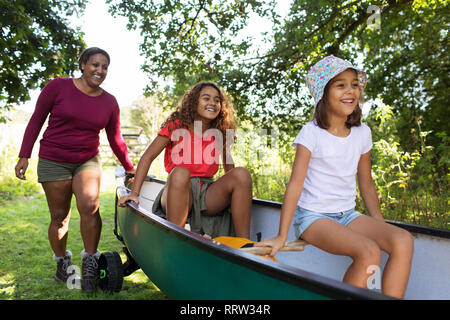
x=194 y=137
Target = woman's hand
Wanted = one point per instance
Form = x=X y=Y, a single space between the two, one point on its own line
x=123 y=199
x=276 y=243
x=132 y=171
x=21 y=168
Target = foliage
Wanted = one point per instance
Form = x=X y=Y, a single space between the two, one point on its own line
x=403 y=45
x=409 y=64
x=9 y=187
x=149 y=113
x=189 y=41
x=259 y=150
x=36 y=44
x=10 y=191
x=410 y=187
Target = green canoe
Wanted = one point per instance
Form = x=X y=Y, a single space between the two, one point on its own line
x=186 y=265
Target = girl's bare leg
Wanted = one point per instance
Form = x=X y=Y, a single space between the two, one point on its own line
x=59 y=195
x=176 y=199
x=398 y=243
x=232 y=189
x=335 y=238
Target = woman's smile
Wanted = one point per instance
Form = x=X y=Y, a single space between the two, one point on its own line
x=95 y=70
x=348 y=101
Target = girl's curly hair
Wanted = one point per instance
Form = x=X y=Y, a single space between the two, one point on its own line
x=187 y=110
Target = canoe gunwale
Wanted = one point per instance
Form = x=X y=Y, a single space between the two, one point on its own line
x=441 y=233
x=295 y=276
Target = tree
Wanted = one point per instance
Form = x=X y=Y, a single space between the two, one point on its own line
x=191 y=40
x=403 y=45
x=36 y=44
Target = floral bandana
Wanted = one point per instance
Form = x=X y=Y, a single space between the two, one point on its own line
x=325 y=70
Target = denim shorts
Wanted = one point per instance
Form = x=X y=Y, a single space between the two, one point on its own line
x=303 y=218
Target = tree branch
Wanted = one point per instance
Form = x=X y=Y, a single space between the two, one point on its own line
x=202 y=4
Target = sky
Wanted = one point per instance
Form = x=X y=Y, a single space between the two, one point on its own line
x=125 y=79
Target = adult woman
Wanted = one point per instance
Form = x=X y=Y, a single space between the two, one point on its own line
x=69 y=162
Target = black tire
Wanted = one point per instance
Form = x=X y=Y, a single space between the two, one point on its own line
x=110 y=271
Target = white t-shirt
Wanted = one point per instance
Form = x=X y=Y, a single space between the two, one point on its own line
x=330 y=182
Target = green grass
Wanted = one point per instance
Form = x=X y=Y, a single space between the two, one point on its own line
x=26 y=264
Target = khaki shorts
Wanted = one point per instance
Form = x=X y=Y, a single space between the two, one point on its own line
x=49 y=170
x=220 y=224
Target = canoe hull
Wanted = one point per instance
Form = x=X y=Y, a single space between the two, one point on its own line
x=183 y=269
x=185 y=265
x=430 y=271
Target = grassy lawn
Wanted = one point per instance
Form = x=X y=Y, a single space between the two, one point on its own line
x=26 y=264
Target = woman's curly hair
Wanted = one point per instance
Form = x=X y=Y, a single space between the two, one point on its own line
x=187 y=110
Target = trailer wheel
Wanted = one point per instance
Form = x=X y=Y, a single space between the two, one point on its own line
x=110 y=271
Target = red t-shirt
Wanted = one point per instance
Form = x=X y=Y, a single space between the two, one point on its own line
x=200 y=155
x=74 y=124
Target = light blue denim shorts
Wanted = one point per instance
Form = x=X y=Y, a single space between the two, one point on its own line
x=303 y=218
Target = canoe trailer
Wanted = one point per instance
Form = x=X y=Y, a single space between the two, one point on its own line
x=111 y=271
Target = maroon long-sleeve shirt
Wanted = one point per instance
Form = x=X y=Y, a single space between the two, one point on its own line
x=74 y=124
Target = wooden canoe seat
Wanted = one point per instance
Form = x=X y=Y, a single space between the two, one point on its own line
x=294 y=245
